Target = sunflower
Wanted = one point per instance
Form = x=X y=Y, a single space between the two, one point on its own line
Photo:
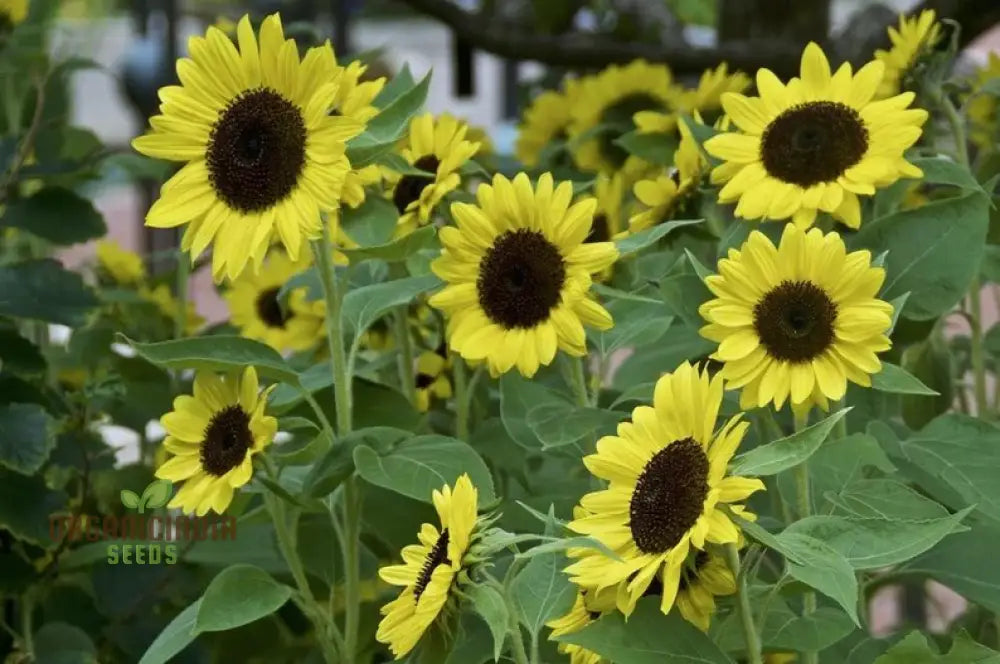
x=163 y=298
x=119 y=264
x=518 y=274
x=613 y=97
x=609 y=191
x=378 y=337
x=432 y=378
x=546 y=121
x=667 y=487
x=432 y=569
x=437 y=146
x=914 y=36
x=815 y=144
x=354 y=100
x=982 y=106
x=706 y=99
x=213 y=436
x=263 y=153
x=666 y=195
x=12 y=12
x=706 y=576
x=259 y=314
x=798 y=321
x=588 y=607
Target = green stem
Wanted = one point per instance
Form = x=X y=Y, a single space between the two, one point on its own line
x=804 y=502
x=183 y=279
x=405 y=359
x=516 y=639
x=318 y=411
x=27 y=628
x=840 y=428
x=746 y=616
x=579 y=381
x=352 y=566
x=462 y=397
x=323 y=252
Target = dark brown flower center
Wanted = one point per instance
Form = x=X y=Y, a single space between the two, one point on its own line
x=813 y=142
x=437 y=556
x=669 y=496
x=599 y=229
x=256 y=150
x=227 y=440
x=409 y=187
x=424 y=381
x=520 y=279
x=269 y=308
x=795 y=321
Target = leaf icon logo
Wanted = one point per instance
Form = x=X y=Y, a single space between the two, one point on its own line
x=157 y=494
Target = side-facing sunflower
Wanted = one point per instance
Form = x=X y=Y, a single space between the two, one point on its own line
x=354 y=100
x=258 y=313
x=814 y=144
x=546 y=121
x=913 y=37
x=667 y=484
x=588 y=607
x=609 y=191
x=437 y=146
x=665 y=195
x=432 y=569
x=705 y=99
x=518 y=274
x=705 y=577
x=613 y=97
x=213 y=437
x=119 y=264
x=432 y=378
x=263 y=153
x=798 y=321
x=12 y=13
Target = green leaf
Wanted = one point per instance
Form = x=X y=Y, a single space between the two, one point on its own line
x=966 y=563
x=914 y=649
x=519 y=396
x=27 y=437
x=636 y=242
x=43 y=290
x=237 y=596
x=885 y=499
x=642 y=393
x=492 y=608
x=423 y=464
x=699 y=268
x=645 y=365
x=648 y=637
x=563 y=543
x=657 y=148
x=156 y=494
x=130 y=499
x=898 y=304
x=783 y=629
x=304 y=450
x=683 y=295
x=541 y=592
x=929 y=271
x=399 y=84
x=559 y=424
x=57 y=215
x=386 y=128
x=942 y=170
x=897 y=380
x=396 y=251
x=615 y=294
x=62 y=643
x=772 y=458
x=363 y=306
x=370 y=224
x=636 y=324
x=820 y=566
x=221 y=353
x=18 y=355
x=174 y=638
x=26 y=504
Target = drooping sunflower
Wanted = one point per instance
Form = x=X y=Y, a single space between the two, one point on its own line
x=437 y=146
x=588 y=607
x=259 y=314
x=665 y=195
x=12 y=12
x=706 y=576
x=432 y=378
x=814 y=144
x=263 y=153
x=705 y=99
x=545 y=121
x=213 y=437
x=119 y=264
x=667 y=483
x=914 y=36
x=613 y=97
x=518 y=274
x=798 y=321
x=432 y=568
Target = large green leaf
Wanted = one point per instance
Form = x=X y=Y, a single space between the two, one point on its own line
x=915 y=649
x=636 y=324
x=897 y=380
x=423 y=464
x=44 y=290
x=17 y=354
x=492 y=608
x=386 y=128
x=518 y=397
x=26 y=506
x=562 y=424
x=218 y=353
x=27 y=437
x=966 y=563
x=772 y=458
x=397 y=250
x=783 y=629
x=656 y=148
x=647 y=637
x=174 y=638
x=363 y=306
x=942 y=170
x=541 y=592
x=885 y=499
x=929 y=270
x=370 y=224
x=239 y=595
x=820 y=566
x=62 y=643
x=57 y=215
x=646 y=364
x=636 y=242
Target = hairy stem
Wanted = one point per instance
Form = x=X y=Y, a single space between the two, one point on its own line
x=405 y=360
x=742 y=597
x=804 y=504
x=462 y=398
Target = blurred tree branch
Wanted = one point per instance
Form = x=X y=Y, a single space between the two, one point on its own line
x=780 y=53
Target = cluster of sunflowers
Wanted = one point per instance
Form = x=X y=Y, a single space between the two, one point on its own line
x=268 y=139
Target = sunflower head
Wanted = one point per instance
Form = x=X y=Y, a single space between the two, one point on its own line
x=914 y=36
x=706 y=98
x=432 y=569
x=546 y=121
x=263 y=153
x=705 y=576
x=667 y=195
x=814 y=144
x=259 y=313
x=355 y=100
x=798 y=321
x=667 y=486
x=212 y=438
x=12 y=13
x=163 y=298
x=431 y=378
x=588 y=607
x=119 y=264
x=519 y=271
